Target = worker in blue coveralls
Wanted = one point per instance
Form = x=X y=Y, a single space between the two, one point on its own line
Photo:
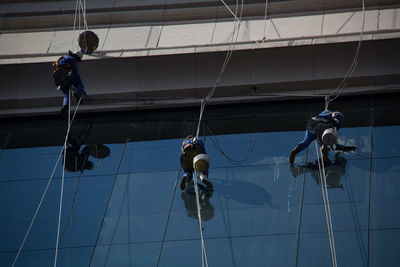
x=66 y=75
x=191 y=147
x=318 y=124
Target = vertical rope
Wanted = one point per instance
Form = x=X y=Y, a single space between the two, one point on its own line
x=327 y=211
x=62 y=182
x=169 y=216
x=225 y=64
x=265 y=21
x=73 y=29
x=204 y=261
x=46 y=189
x=353 y=65
x=108 y=203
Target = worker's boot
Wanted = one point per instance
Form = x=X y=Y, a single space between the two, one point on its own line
x=203 y=178
x=184 y=182
x=293 y=154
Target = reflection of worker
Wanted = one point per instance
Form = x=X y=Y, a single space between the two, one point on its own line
x=206 y=208
x=318 y=124
x=333 y=171
x=191 y=147
x=77 y=159
x=66 y=75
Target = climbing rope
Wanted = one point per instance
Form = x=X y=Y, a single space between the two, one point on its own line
x=204 y=261
x=265 y=21
x=46 y=189
x=228 y=56
x=80 y=12
x=78 y=7
x=108 y=203
x=353 y=65
x=62 y=181
x=238 y=19
x=225 y=64
x=216 y=144
x=169 y=216
x=325 y=198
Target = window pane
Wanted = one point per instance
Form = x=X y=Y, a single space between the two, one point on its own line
x=351 y=249
x=385 y=198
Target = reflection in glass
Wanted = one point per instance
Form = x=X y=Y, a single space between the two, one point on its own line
x=206 y=208
x=77 y=158
x=126 y=211
x=333 y=171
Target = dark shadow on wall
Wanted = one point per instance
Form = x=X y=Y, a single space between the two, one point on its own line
x=244 y=192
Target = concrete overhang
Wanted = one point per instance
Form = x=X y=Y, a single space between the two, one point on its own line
x=296 y=55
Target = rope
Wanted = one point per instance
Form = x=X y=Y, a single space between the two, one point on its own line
x=70 y=121
x=62 y=182
x=237 y=19
x=83 y=7
x=353 y=65
x=265 y=21
x=327 y=210
x=224 y=65
x=169 y=216
x=46 y=189
x=73 y=28
x=108 y=203
x=202 y=107
x=250 y=148
x=204 y=261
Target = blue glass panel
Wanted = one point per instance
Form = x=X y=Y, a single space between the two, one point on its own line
x=43 y=234
x=359 y=137
x=135 y=228
x=277 y=250
x=32 y=163
x=385 y=197
x=351 y=249
x=105 y=166
x=269 y=148
x=246 y=200
x=347 y=180
x=345 y=216
x=78 y=257
x=384 y=248
x=142 y=193
x=152 y=156
x=20 y=199
x=348 y=196
x=141 y=254
x=386 y=141
x=38 y=163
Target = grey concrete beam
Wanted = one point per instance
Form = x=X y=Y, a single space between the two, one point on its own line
x=295 y=72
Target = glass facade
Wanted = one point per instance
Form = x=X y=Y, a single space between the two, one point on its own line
x=125 y=208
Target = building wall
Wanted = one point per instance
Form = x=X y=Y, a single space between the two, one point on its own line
x=129 y=210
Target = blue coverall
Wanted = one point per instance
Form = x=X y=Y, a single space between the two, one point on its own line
x=310 y=136
x=69 y=62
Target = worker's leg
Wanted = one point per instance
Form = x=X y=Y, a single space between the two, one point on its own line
x=203 y=178
x=308 y=138
x=187 y=176
x=65 y=91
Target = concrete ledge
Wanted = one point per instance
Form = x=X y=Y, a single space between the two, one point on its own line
x=30 y=47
